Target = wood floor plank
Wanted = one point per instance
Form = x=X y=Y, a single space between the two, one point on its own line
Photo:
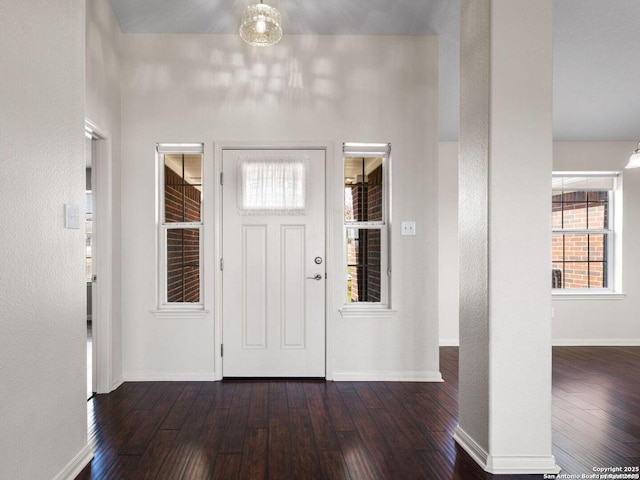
x=227 y=467
x=152 y=396
x=235 y=431
x=140 y=439
x=186 y=441
x=333 y=466
x=295 y=395
x=124 y=467
x=202 y=461
x=356 y=456
x=279 y=448
x=180 y=409
x=323 y=430
x=254 y=456
x=338 y=412
x=105 y=457
x=155 y=455
x=304 y=451
x=258 y=406
x=367 y=395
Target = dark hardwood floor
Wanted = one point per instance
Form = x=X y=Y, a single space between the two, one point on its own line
x=352 y=430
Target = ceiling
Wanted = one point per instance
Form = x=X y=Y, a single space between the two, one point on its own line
x=596 y=48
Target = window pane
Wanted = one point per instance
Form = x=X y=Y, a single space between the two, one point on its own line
x=363 y=265
x=584 y=275
x=363 y=179
x=557 y=247
x=183 y=265
x=597 y=247
x=556 y=275
x=574 y=215
x=576 y=248
x=598 y=215
x=579 y=260
x=580 y=210
x=272 y=186
x=556 y=211
x=182 y=187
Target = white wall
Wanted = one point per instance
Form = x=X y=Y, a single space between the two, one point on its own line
x=43 y=404
x=576 y=322
x=102 y=107
x=448 y=281
x=604 y=321
x=202 y=88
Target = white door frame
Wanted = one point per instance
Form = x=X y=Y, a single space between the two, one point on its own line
x=102 y=300
x=330 y=250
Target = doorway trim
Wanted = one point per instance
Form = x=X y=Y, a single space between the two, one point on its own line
x=330 y=250
x=102 y=299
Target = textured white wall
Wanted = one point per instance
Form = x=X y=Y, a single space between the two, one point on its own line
x=102 y=70
x=43 y=405
x=505 y=165
x=201 y=88
x=473 y=220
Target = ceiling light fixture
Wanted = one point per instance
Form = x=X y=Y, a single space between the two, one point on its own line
x=634 y=159
x=261 y=25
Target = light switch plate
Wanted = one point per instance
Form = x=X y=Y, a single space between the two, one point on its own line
x=72 y=216
x=408 y=228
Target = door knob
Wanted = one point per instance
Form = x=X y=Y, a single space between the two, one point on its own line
x=317 y=276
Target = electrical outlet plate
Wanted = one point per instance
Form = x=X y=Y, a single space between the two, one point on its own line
x=408 y=228
x=72 y=216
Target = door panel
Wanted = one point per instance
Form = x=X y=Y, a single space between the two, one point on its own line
x=254 y=286
x=273 y=290
x=292 y=252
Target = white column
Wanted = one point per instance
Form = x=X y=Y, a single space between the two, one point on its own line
x=505 y=203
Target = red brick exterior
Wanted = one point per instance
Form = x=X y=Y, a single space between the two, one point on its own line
x=579 y=260
x=364 y=254
x=182 y=204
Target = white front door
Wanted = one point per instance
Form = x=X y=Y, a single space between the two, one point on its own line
x=273 y=278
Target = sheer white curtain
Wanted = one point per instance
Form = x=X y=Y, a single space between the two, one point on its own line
x=272 y=185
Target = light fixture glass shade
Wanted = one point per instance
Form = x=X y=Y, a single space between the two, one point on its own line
x=261 y=25
x=634 y=159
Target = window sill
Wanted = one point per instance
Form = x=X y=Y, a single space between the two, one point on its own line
x=588 y=296
x=180 y=313
x=364 y=312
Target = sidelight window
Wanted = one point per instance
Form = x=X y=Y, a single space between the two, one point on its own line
x=180 y=224
x=366 y=223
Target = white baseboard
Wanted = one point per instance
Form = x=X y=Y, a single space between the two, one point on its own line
x=497 y=464
x=570 y=342
x=596 y=342
x=77 y=463
x=409 y=376
x=471 y=446
x=150 y=376
x=117 y=383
